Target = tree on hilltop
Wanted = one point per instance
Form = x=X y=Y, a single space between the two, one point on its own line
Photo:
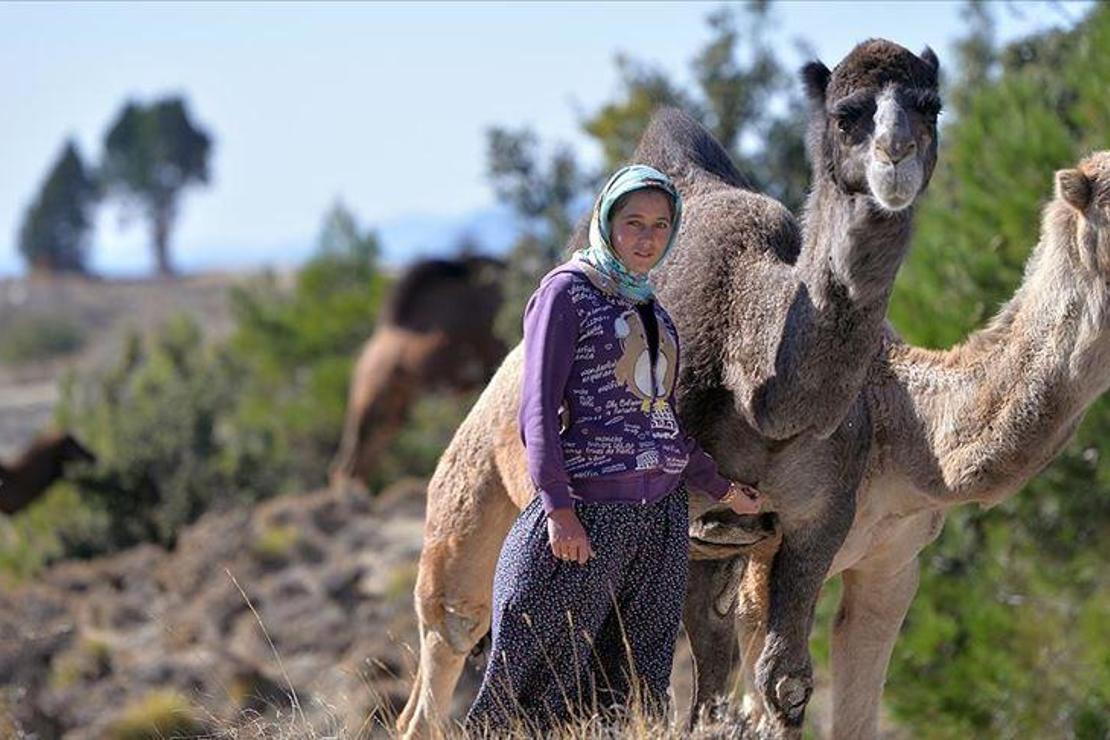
x=151 y=154
x=55 y=229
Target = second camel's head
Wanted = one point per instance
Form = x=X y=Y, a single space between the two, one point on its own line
x=1086 y=191
x=873 y=122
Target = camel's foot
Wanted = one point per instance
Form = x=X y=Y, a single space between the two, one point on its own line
x=786 y=685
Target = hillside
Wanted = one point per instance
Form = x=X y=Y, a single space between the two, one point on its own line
x=330 y=575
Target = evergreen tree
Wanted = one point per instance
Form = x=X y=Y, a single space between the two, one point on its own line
x=743 y=96
x=544 y=196
x=55 y=230
x=151 y=154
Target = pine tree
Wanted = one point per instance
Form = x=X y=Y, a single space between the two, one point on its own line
x=55 y=231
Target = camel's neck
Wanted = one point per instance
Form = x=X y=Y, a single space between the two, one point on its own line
x=1000 y=406
x=834 y=324
x=851 y=245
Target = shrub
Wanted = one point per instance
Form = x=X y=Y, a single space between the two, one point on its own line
x=59 y=524
x=37 y=337
x=155 y=423
x=275 y=544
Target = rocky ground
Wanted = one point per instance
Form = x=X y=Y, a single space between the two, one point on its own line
x=326 y=578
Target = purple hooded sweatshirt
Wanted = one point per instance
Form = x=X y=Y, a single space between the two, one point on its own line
x=596 y=414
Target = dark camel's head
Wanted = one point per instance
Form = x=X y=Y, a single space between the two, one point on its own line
x=873 y=121
x=70 y=450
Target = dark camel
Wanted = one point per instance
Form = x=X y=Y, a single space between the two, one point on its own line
x=435 y=332
x=42 y=463
x=780 y=326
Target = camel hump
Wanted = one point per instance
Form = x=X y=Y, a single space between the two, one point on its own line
x=433 y=289
x=680 y=146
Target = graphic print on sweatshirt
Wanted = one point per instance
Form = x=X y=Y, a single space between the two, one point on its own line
x=622 y=416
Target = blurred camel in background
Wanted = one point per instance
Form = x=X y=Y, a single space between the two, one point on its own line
x=435 y=332
x=25 y=480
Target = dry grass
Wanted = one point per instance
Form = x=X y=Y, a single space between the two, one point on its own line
x=640 y=719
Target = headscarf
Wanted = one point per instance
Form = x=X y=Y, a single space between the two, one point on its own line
x=600 y=253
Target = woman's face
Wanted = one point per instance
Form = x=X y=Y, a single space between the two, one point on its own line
x=640 y=230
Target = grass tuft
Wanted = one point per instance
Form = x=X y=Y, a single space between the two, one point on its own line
x=160 y=714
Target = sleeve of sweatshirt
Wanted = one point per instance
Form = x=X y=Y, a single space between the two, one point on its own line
x=701 y=471
x=550 y=335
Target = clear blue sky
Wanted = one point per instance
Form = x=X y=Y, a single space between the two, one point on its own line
x=383 y=105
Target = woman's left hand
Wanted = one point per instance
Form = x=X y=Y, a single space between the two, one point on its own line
x=745 y=499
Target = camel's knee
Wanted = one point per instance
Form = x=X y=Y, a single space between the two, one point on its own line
x=463 y=630
x=459 y=625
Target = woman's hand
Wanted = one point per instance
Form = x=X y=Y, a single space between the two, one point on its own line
x=743 y=499
x=568 y=537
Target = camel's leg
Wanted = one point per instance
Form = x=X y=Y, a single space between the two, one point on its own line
x=784 y=672
x=709 y=617
x=394 y=365
x=872 y=608
x=726 y=609
x=752 y=608
x=380 y=392
x=469 y=514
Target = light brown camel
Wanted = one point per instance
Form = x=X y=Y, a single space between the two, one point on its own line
x=42 y=463
x=778 y=335
x=435 y=332
x=972 y=424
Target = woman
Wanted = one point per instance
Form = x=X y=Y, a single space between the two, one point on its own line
x=589 y=586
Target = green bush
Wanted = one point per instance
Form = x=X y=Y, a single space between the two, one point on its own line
x=159 y=714
x=181 y=426
x=298 y=349
x=36 y=337
x=59 y=524
x=156 y=424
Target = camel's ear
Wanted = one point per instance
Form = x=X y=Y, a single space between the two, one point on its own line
x=929 y=57
x=1073 y=187
x=815 y=77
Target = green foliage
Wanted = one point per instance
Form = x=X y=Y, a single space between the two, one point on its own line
x=298 y=349
x=49 y=529
x=999 y=641
x=618 y=125
x=155 y=423
x=739 y=81
x=55 y=229
x=275 y=544
x=544 y=196
x=164 y=713
x=34 y=337
x=181 y=426
x=151 y=154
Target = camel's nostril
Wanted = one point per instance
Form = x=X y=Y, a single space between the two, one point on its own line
x=894 y=153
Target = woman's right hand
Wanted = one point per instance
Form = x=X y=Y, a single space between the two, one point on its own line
x=568 y=537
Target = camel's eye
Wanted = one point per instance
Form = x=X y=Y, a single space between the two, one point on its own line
x=926 y=102
x=852 y=111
